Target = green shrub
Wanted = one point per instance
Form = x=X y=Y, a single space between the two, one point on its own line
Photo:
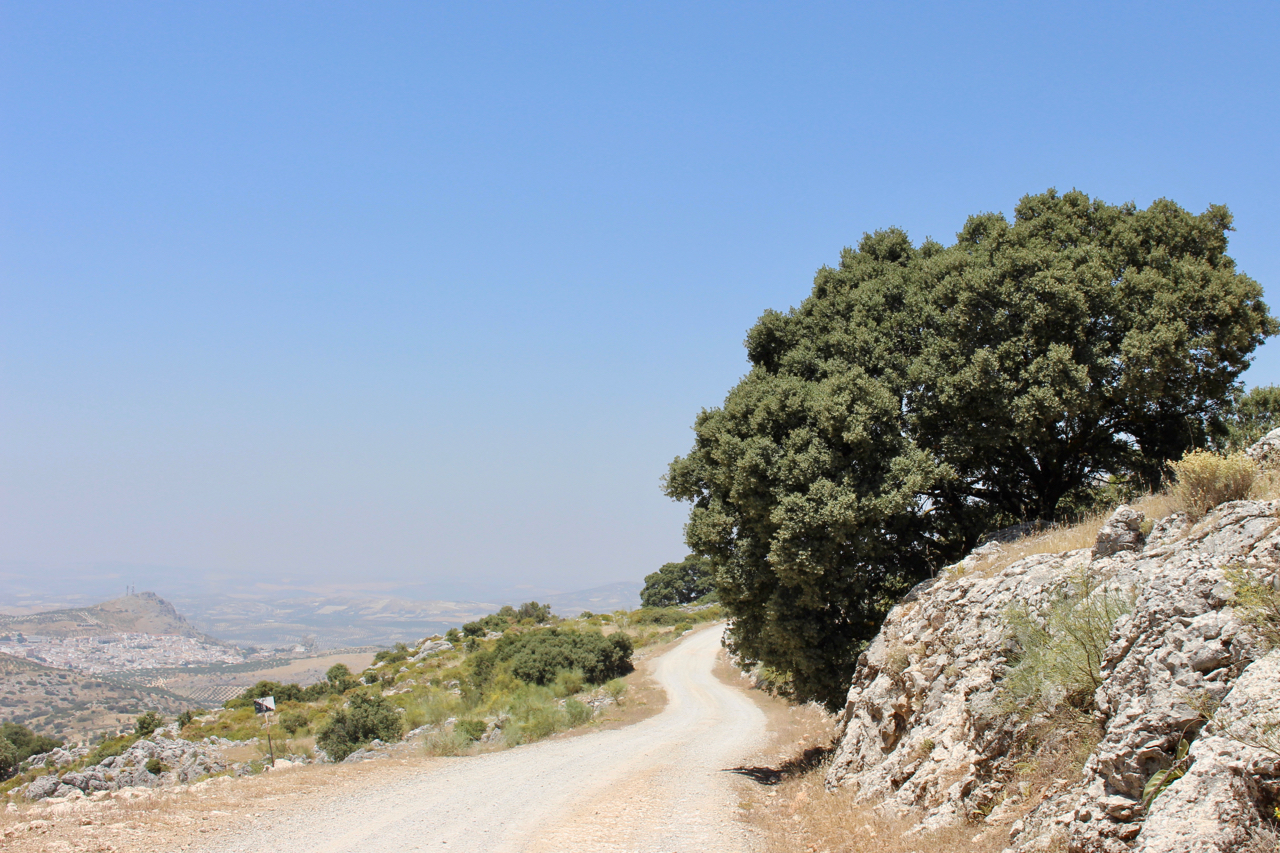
x=1202 y=480
x=446 y=743
x=111 y=747
x=538 y=657
x=282 y=693
x=615 y=689
x=1060 y=655
x=471 y=729
x=1256 y=604
x=8 y=758
x=294 y=721
x=658 y=616
x=148 y=723
x=155 y=766
x=568 y=682
x=364 y=719
x=436 y=707
x=577 y=712
x=25 y=742
x=185 y=718
x=396 y=654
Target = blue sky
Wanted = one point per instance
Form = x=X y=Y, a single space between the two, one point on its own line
x=416 y=292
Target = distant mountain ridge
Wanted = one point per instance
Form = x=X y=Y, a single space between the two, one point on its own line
x=139 y=613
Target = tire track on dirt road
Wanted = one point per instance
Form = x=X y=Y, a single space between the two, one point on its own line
x=658 y=786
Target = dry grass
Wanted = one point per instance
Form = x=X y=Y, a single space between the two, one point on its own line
x=1203 y=479
x=799 y=814
x=785 y=801
x=1054 y=540
x=1071 y=537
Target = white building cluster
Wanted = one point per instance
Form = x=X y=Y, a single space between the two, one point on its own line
x=116 y=652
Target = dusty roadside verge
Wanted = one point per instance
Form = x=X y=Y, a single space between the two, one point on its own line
x=196 y=816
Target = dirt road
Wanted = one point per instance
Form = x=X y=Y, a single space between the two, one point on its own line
x=656 y=787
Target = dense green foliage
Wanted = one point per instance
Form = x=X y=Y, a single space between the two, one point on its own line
x=365 y=718
x=147 y=723
x=679 y=583
x=283 y=693
x=397 y=653
x=923 y=395
x=18 y=743
x=1254 y=415
x=537 y=657
x=529 y=613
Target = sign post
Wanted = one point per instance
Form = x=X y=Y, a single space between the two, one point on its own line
x=267 y=705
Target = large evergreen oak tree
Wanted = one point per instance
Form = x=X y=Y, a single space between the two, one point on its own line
x=924 y=395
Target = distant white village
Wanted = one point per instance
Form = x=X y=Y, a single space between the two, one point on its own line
x=117 y=652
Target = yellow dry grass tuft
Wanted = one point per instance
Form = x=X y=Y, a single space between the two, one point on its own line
x=1058 y=538
x=1203 y=479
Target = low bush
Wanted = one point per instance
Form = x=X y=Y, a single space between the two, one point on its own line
x=1203 y=479
x=294 y=721
x=1060 y=652
x=471 y=729
x=538 y=657
x=577 y=712
x=396 y=654
x=111 y=747
x=147 y=724
x=1256 y=603
x=155 y=766
x=446 y=743
x=364 y=719
x=287 y=692
x=615 y=689
x=659 y=616
x=25 y=742
x=568 y=682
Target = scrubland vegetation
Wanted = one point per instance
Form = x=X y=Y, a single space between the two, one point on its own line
x=506 y=680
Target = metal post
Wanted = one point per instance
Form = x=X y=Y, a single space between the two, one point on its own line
x=270 y=746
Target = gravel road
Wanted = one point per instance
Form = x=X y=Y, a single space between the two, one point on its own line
x=658 y=786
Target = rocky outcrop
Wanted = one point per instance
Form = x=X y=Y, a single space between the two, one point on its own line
x=933 y=727
x=1266 y=452
x=146 y=764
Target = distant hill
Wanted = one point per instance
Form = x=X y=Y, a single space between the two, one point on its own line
x=141 y=613
x=73 y=706
x=624 y=595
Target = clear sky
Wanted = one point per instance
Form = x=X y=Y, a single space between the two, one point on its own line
x=416 y=292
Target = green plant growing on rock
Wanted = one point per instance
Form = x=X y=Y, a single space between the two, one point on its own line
x=1256 y=603
x=1061 y=652
x=147 y=723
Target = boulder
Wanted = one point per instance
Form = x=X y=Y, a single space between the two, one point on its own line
x=43 y=787
x=1266 y=451
x=1121 y=532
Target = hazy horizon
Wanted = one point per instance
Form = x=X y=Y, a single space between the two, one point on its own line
x=430 y=296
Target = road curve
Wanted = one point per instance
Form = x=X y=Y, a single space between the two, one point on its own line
x=658 y=786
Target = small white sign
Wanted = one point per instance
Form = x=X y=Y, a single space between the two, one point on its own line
x=265 y=705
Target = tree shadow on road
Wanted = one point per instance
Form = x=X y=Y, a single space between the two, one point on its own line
x=800 y=764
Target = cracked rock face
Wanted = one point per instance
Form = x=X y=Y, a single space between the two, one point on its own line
x=927 y=729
